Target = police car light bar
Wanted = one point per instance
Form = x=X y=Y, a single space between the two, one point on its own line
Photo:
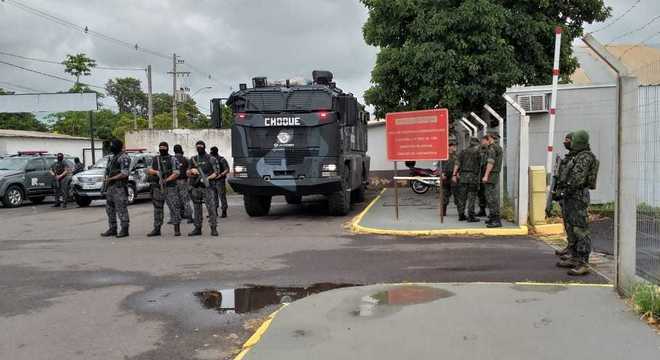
x=33 y=152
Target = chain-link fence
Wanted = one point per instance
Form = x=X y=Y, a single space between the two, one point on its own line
x=648 y=198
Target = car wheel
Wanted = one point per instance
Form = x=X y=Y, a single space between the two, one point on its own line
x=13 y=197
x=83 y=201
x=131 y=194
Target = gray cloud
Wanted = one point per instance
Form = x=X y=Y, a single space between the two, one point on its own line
x=232 y=39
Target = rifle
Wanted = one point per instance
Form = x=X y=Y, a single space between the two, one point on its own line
x=201 y=177
x=553 y=186
x=160 y=175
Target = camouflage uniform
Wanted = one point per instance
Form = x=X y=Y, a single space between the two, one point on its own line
x=561 y=173
x=116 y=196
x=491 y=187
x=182 y=188
x=573 y=187
x=449 y=188
x=200 y=193
x=481 y=195
x=468 y=163
x=166 y=165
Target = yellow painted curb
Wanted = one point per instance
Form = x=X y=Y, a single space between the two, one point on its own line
x=548 y=229
x=359 y=229
x=254 y=339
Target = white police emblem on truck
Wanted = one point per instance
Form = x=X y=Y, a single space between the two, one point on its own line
x=282 y=121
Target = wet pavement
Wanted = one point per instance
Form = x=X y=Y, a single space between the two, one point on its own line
x=67 y=293
x=459 y=321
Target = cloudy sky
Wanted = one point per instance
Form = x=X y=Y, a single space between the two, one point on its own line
x=233 y=40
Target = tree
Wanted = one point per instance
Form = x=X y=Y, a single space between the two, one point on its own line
x=20 y=121
x=461 y=54
x=78 y=65
x=128 y=94
x=76 y=123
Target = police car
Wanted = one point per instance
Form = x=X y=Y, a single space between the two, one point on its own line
x=87 y=185
x=26 y=175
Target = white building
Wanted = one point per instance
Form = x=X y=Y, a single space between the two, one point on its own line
x=13 y=141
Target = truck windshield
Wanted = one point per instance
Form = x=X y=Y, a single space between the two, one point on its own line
x=283 y=101
x=13 y=163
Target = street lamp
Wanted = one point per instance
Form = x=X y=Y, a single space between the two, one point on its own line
x=204 y=88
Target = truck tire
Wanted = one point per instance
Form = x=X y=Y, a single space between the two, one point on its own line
x=37 y=199
x=293 y=199
x=339 y=202
x=256 y=205
x=83 y=201
x=14 y=196
x=357 y=195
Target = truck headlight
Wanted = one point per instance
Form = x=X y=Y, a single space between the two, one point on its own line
x=328 y=170
x=240 y=171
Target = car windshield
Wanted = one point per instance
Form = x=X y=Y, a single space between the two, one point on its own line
x=13 y=163
x=101 y=164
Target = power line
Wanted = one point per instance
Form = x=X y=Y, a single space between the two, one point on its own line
x=636 y=30
x=48 y=75
x=60 y=63
x=618 y=18
x=20 y=86
x=643 y=42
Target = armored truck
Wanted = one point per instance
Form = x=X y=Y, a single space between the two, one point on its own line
x=297 y=138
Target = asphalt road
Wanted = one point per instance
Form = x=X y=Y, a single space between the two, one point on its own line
x=65 y=292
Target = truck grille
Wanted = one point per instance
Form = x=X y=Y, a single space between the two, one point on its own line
x=292 y=156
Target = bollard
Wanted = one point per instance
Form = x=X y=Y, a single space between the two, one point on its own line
x=537 y=195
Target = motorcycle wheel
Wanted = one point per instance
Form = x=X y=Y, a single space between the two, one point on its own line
x=418 y=187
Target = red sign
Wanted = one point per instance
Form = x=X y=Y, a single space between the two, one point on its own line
x=418 y=135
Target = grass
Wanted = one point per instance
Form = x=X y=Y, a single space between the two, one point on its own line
x=646 y=301
x=602 y=210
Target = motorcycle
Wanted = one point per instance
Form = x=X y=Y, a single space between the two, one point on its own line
x=423 y=185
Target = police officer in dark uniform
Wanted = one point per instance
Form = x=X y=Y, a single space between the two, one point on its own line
x=203 y=165
x=116 y=189
x=220 y=188
x=182 y=188
x=77 y=166
x=164 y=172
x=61 y=173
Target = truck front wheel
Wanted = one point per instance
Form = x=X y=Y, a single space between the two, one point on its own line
x=339 y=202
x=256 y=205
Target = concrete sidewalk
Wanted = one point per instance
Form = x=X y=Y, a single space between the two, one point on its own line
x=419 y=215
x=459 y=321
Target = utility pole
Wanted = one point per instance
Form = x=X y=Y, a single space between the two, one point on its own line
x=175 y=60
x=150 y=104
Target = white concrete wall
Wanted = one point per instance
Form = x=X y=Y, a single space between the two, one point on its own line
x=187 y=138
x=592 y=109
x=73 y=147
x=378 y=151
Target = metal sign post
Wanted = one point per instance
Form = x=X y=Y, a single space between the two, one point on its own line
x=396 y=191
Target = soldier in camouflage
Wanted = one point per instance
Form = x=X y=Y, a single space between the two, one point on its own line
x=576 y=179
x=466 y=174
x=491 y=179
x=182 y=186
x=483 y=203
x=449 y=187
x=566 y=252
x=116 y=189
x=163 y=174
x=202 y=190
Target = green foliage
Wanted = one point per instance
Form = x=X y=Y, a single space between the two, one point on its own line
x=162 y=103
x=128 y=94
x=78 y=65
x=227 y=117
x=461 y=54
x=605 y=210
x=507 y=212
x=646 y=299
x=128 y=122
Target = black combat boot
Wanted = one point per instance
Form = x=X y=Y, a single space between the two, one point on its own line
x=154 y=232
x=109 y=232
x=580 y=269
x=190 y=220
x=123 y=232
x=482 y=212
x=224 y=214
x=495 y=223
x=462 y=217
x=196 y=231
x=177 y=230
x=214 y=231
x=472 y=219
x=568 y=264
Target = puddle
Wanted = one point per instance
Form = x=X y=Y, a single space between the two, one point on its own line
x=392 y=299
x=254 y=298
